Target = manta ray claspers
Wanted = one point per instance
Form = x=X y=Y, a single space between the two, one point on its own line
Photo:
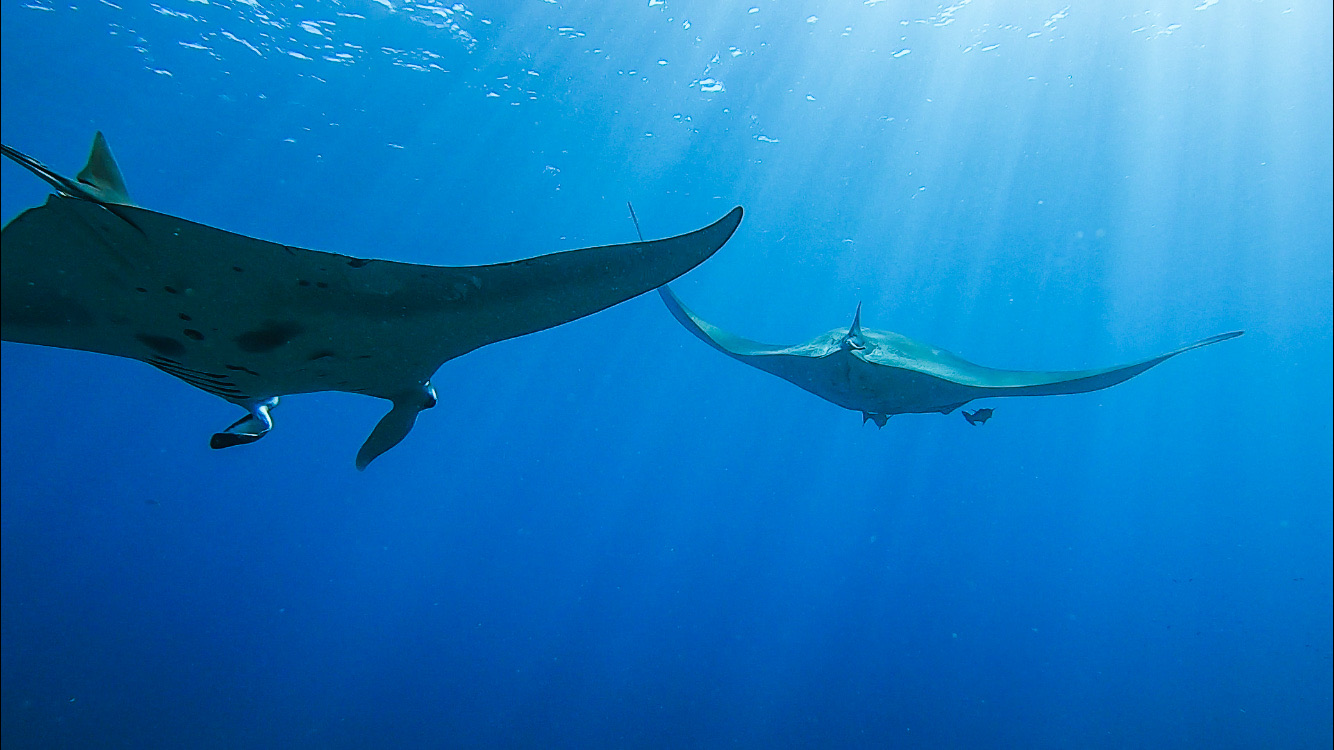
x=881 y=373
x=249 y=321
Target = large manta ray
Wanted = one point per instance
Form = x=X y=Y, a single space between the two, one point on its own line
x=881 y=374
x=249 y=320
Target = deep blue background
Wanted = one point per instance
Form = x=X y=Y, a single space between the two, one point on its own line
x=608 y=535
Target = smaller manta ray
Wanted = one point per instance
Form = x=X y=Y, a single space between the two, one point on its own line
x=978 y=417
x=250 y=321
x=880 y=373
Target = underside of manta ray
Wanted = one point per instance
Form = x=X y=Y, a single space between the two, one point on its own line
x=882 y=374
x=250 y=321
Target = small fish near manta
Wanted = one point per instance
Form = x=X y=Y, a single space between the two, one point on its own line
x=250 y=321
x=977 y=417
x=881 y=374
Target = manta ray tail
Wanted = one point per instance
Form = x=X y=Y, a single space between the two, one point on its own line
x=100 y=181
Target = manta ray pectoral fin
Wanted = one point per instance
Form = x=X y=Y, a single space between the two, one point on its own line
x=395 y=425
x=1018 y=383
x=247 y=429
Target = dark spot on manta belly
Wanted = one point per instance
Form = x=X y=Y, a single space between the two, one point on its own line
x=164 y=345
x=170 y=290
x=184 y=317
x=191 y=333
x=272 y=335
x=357 y=262
x=238 y=269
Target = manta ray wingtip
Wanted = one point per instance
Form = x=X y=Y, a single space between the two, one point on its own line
x=729 y=222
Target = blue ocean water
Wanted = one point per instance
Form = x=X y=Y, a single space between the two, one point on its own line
x=609 y=535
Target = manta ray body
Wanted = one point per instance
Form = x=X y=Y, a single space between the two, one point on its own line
x=881 y=374
x=250 y=321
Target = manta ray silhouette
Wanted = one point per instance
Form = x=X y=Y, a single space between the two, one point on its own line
x=881 y=374
x=250 y=321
